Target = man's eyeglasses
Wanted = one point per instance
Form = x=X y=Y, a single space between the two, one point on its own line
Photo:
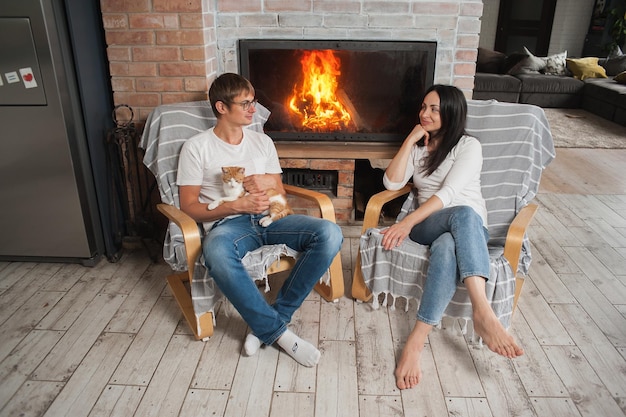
x=245 y=105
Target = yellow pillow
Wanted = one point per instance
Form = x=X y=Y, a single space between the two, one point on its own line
x=585 y=68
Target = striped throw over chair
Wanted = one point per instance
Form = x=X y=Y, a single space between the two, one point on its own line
x=167 y=128
x=517 y=146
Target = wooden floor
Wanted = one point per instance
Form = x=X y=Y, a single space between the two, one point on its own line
x=109 y=340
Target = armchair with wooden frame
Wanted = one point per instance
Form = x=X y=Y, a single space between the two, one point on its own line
x=167 y=128
x=517 y=146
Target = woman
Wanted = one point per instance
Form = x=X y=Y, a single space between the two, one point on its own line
x=444 y=164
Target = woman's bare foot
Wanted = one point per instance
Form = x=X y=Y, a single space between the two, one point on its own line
x=408 y=370
x=497 y=339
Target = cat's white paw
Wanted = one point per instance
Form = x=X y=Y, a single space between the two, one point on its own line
x=213 y=205
x=265 y=221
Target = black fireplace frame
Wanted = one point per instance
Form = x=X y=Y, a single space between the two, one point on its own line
x=420 y=54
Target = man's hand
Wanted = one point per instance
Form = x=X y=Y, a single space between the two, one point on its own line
x=252 y=203
x=259 y=183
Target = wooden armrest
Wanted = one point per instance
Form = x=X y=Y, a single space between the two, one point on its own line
x=515 y=235
x=323 y=201
x=376 y=203
x=191 y=233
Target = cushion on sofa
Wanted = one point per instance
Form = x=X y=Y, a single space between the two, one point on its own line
x=529 y=65
x=583 y=68
x=512 y=60
x=615 y=65
x=556 y=64
x=621 y=77
x=490 y=61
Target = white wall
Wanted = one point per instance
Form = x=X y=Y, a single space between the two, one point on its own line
x=571 y=22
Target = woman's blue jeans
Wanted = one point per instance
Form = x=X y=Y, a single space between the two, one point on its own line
x=458 y=249
x=317 y=240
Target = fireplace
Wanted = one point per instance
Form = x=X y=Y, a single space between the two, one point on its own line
x=337 y=90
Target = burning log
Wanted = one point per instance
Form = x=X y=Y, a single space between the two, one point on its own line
x=359 y=122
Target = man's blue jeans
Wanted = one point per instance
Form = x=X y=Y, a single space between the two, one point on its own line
x=458 y=249
x=317 y=240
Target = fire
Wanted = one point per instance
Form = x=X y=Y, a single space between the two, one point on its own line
x=315 y=101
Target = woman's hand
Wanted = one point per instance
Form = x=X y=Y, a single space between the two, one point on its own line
x=417 y=134
x=394 y=235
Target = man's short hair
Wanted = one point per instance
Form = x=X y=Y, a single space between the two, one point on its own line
x=226 y=87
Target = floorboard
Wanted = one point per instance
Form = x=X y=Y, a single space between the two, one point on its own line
x=110 y=341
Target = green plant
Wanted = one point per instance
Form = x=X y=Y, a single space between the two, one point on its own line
x=618 y=29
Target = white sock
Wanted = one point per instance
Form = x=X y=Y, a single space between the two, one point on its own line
x=302 y=351
x=252 y=344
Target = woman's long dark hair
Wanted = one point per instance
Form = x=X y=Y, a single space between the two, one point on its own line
x=453 y=113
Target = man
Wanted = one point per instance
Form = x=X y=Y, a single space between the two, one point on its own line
x=232 y=229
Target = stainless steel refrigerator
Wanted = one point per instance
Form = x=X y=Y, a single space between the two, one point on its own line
x=55 y=111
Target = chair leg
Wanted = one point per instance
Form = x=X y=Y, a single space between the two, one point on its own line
x=359 y=289
x=335 y=289
x=202 y=327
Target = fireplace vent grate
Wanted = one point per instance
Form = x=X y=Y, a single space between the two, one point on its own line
x=318 y=180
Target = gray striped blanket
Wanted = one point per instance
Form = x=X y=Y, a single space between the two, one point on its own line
x=517 y=145
x=167 y=128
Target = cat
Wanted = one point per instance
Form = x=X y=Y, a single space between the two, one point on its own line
x=232 y=182
x=279 y=208
x=232 y=179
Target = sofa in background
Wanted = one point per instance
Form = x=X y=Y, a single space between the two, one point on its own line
x=597 y=85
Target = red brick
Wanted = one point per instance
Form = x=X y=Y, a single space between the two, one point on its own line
x=171 y=98
x=342 y=203
x=153 y=21
x=159 y=84
x=124 y=6
x=196 y=84
x=137 y=99
x=143 y=69
x=333 y=164
x=343 y=216
x=464 y=69
x=294 y=163
x=115 y=21
x=346 y=177
x=156 y=53
x=118 y=53
x=180 y=37
x=191 y=21
x=123 y=84
x=177 y=5
x=192 y=53
x=127 y=37
x=467 y=55
x=467 y=41
x=181 y=69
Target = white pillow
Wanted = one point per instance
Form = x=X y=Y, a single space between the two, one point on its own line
x=556 y=64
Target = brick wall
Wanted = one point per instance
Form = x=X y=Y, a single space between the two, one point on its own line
x=168 y=51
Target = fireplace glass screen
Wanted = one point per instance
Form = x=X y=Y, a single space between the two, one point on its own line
x=349 y=91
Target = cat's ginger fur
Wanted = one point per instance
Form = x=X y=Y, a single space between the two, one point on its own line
x=232 y=178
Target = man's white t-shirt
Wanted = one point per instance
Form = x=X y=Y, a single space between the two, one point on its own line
x=203 y=156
